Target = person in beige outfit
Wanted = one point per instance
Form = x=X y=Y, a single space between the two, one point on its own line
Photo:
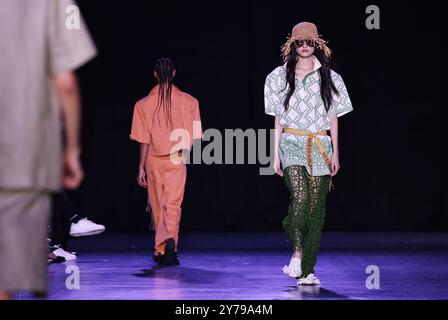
x=42 y=43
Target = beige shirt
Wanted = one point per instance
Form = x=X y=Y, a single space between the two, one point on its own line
x=35 y=44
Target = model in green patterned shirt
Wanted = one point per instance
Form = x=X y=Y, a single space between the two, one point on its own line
x=307 y=97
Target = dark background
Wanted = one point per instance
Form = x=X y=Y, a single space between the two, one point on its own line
x=391 y=147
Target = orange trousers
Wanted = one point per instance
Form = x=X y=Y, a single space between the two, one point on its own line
x=166 y=186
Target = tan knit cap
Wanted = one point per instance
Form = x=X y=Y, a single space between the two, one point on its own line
x=305 y=31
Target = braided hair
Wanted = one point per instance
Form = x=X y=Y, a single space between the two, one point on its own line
x=164 y=69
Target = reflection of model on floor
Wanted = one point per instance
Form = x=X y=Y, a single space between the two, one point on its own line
x=67 y=223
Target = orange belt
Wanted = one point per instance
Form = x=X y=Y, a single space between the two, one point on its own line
x=312 y=138
x=175 y=155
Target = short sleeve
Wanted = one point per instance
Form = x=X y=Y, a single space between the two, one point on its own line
x=197 y=123
x=273 y=104
x=69 y=42
x=341 y=104
x=139 y=130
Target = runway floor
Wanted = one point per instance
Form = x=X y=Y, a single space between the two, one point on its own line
x=249 y=267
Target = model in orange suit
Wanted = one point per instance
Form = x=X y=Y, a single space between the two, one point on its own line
x=165 y=123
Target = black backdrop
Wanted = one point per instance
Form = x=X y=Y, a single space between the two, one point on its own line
x=391 y=147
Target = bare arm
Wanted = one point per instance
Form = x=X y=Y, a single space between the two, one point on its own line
x=68 y=94
x=277 y=135
x=141 y=178
x=67 y=90
x=143 y=154
x=334 y=133
x=334 y=140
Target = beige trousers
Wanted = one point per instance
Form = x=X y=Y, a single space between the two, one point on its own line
x=24 y=218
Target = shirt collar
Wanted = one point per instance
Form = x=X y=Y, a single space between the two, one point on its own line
x=317 y=63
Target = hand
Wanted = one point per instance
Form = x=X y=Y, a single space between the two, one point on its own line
x=277 y=166
x=72 y=170
x=141 y=178
x=335 y=164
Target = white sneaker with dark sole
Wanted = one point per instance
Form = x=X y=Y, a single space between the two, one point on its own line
x=294 y=269
x=59 y=252
x=309 y=280
x=85 y=227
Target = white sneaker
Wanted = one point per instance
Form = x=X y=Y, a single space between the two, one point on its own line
x=294 y=270
x=309 y=280
x=59 y=252
x=85 y=227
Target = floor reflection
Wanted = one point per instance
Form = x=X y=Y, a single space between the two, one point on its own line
x=312 y=293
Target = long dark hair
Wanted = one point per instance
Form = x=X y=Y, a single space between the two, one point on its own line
x=164 y=68
x=327 y=86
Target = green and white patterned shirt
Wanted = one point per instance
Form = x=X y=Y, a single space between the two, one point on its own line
x=306 y=112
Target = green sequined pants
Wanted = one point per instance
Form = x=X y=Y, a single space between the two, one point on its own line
x=306 y=213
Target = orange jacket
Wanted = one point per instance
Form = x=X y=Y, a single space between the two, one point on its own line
x=150 y=127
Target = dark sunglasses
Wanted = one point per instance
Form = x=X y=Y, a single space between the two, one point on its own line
x=309 y=43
